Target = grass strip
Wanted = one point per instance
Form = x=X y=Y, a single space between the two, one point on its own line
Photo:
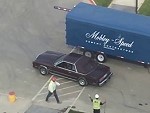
x=145 y=8
x=104 y=3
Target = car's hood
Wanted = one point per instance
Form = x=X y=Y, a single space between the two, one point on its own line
x=99 y=71
x=49 y=57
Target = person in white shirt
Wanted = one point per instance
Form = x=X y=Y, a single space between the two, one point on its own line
x=52 y=89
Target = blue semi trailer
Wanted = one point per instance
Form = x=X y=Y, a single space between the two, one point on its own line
x=103 y=32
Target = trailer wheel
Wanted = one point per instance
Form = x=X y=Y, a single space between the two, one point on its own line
x=101 y=57
x=87 y=53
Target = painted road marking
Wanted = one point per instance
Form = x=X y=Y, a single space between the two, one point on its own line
x=68 y=87
x=74 y=101
x=61 y=83
x=41 y=89
x=63 y=95
x=60 y=89
x=66 y=82
x=46 y=85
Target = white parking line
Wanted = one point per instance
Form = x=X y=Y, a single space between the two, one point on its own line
x=74 y=101
x=64 y=94
x=68 y=87
x=60 y=89
x=61 y=83
x=42 y=93
x=44 y=86
x=41 y=89
x=69 y=93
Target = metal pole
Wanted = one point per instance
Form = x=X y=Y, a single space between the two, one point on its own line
x=136 y=7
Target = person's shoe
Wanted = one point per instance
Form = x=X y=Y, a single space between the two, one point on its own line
x=59 y=102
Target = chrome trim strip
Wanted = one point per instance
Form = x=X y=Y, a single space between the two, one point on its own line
x=101 y=83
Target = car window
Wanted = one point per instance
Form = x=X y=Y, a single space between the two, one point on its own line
x=70 y=67
x=59 y=60
x=66 y=65
x=73 y=68
x=62 y=65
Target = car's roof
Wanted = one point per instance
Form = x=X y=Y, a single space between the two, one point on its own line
x=72 y=57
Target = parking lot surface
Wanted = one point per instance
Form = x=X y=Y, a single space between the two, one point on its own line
x=28 y=28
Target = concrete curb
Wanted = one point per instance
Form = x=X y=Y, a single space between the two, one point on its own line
x=127 y=3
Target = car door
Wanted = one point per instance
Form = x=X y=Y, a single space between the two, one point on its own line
x=66 y=69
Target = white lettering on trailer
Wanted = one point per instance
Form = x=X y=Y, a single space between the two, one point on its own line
x=96 y=36
x=119 y=41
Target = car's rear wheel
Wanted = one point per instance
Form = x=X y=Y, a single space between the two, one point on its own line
x=82 y=81
x=43 y=70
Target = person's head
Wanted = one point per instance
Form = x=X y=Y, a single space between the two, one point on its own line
x=53 y=79
x=96 y=96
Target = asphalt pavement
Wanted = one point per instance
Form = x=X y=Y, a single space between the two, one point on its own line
x=27 y=105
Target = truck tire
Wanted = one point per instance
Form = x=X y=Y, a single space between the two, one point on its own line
x=43 y=70
x=87 y=53
x=82 y=81
x=101 y=57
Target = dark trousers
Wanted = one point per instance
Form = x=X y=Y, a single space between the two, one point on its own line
x=96 y=110
x=55 y=94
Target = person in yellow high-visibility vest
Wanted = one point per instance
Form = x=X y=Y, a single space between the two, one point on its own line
x=52 y=89
x=96 y=103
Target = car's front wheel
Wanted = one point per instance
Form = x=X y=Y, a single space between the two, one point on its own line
x=43 y=70
x=82 y=81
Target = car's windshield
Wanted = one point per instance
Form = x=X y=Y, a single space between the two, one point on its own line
x=59 y=59
x=85 y=65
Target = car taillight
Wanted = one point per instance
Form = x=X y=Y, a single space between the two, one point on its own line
x=103 y=77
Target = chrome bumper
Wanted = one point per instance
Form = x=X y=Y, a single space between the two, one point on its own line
x=104 y=81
